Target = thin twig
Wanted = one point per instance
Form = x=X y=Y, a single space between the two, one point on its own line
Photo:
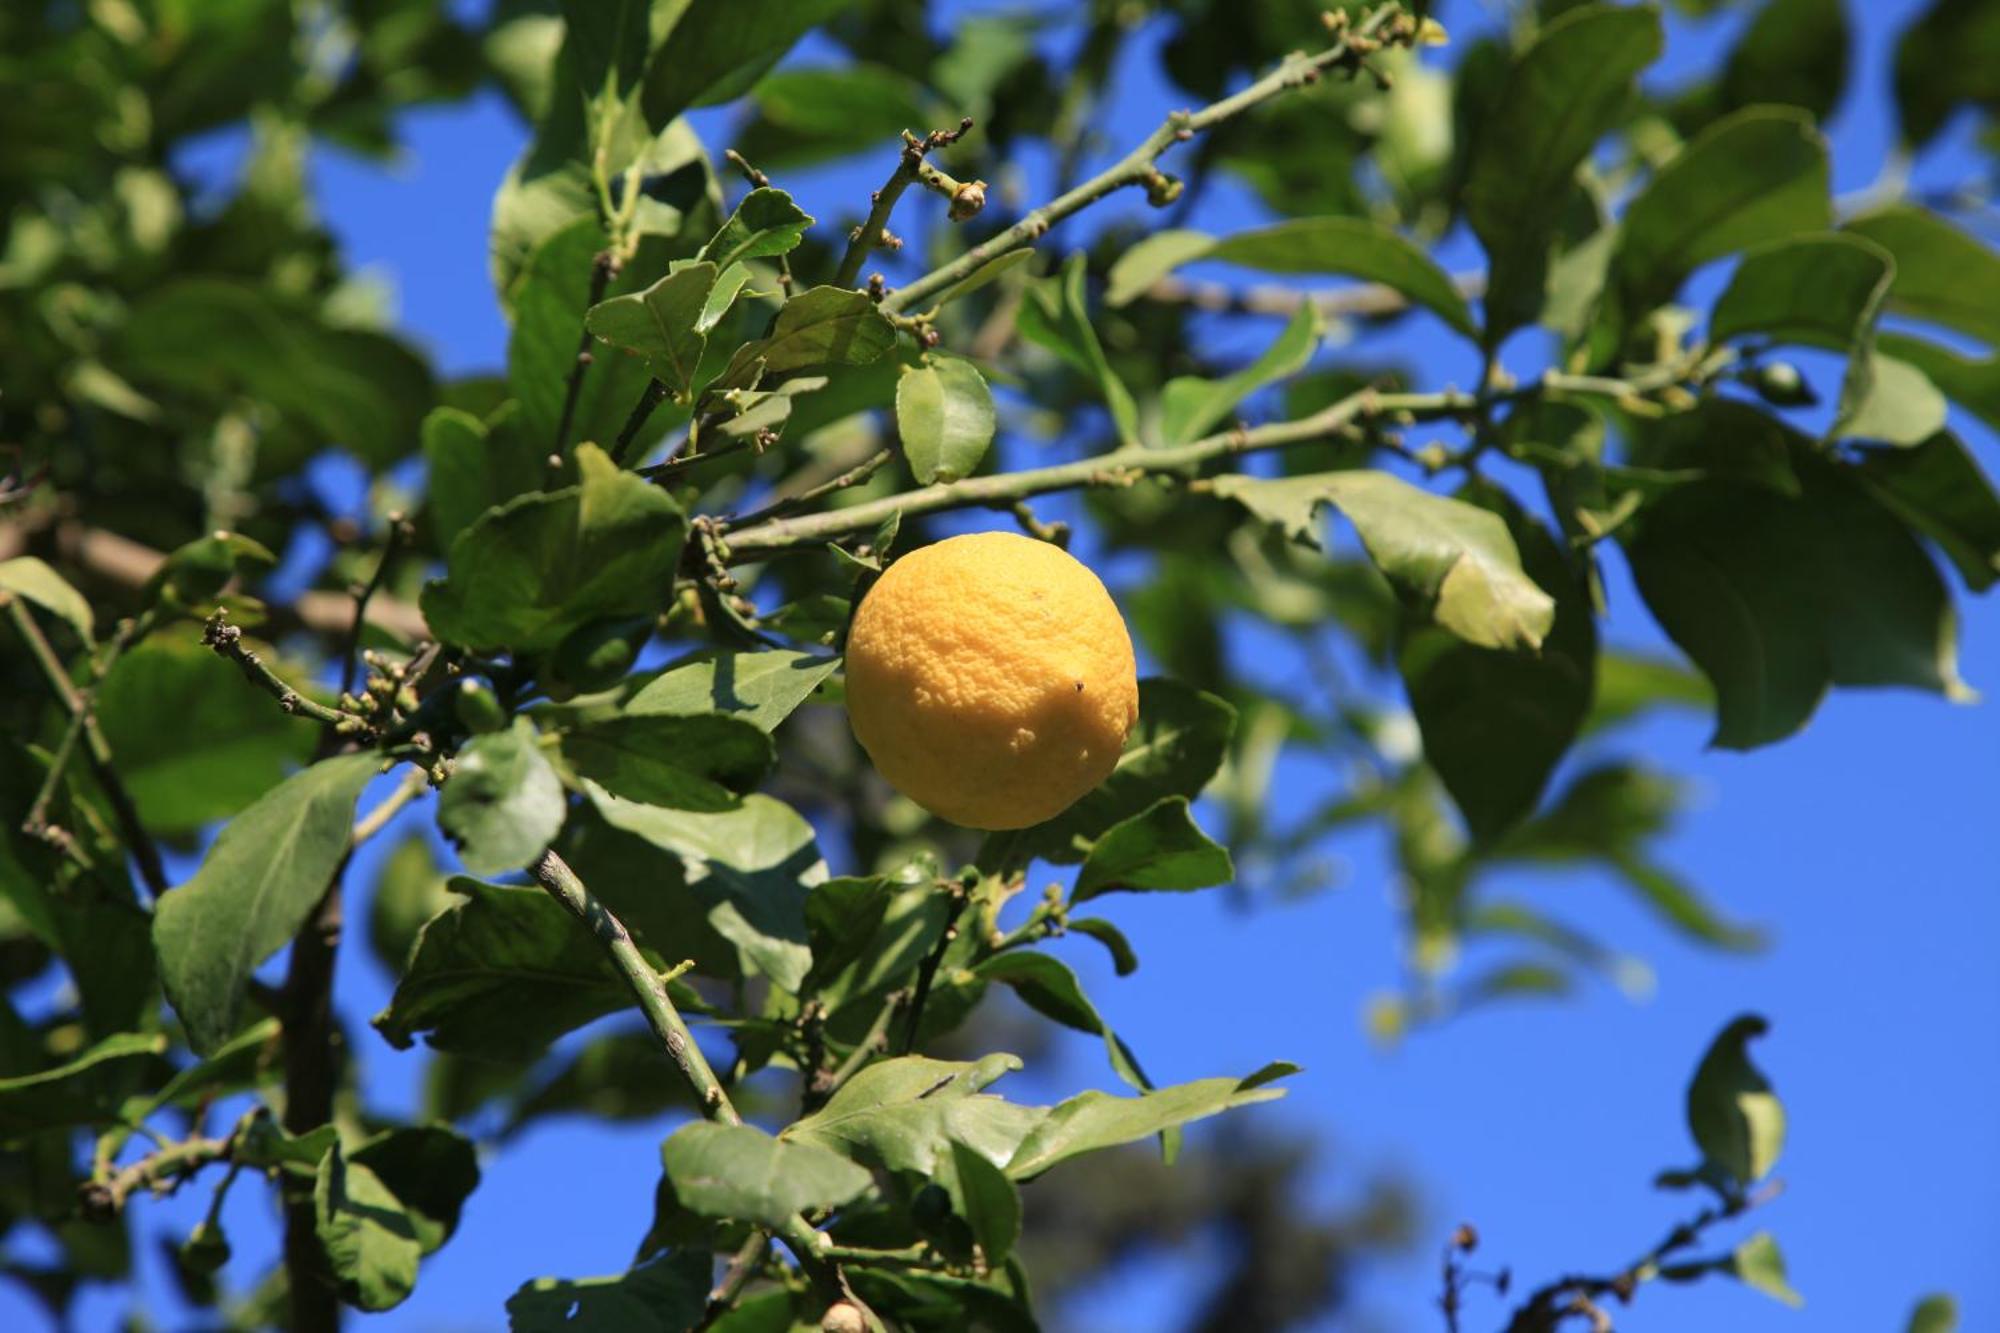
x=80 y=720
x=874 y=233
x=759 y=181
x=227 y=641
x=743 y=1267
x=822 y=1084
x=413 y=783
x=350 y=653
x=600 y=277
x=1140 y=166
x=673 y=467
x=137 y=841
x=957 y=900
x=854 y=476
x=655 y=394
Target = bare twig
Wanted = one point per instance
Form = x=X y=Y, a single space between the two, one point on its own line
x=873 y=234
x=655 y=394
x=854 y=476
x=601 y=270
x=227 y=641
x=957 y=899
x=399 y=532
x=413 y=783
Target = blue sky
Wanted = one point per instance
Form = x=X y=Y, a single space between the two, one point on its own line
x=1864 y=845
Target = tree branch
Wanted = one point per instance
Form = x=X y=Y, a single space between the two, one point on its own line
x=874 y=233
x=227 y=641
x=600 y=276
x=1140 y=166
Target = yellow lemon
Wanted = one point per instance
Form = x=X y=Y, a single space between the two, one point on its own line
x=991 y=679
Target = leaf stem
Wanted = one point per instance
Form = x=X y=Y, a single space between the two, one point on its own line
x=1138 y=167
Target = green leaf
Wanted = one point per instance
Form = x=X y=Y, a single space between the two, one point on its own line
x=259 y=882
x=988 y=1201
x=550 y=303
x=1735 y=1118
x=195 y=573
x=1777 y=598
x=267 y=1147
x=1973 y=384
x=26 y=577
x=700 y=762
x=1350 y=247
x=1629 y=685
x=811 y=114
x=944 y=414
x=409 y=890
x=1174 y=750
x=741 y=1173
x=1159 y=848
x=542 y=565
x=762 y=688
x=751 y=866
x=504 y=803
x=1454 y=561
x=1123 y=959
x=1795 y=52
x=370 y=1242
x=1190 y=406
x=766 y=224
x=74 y=1093
x=1943 y=275
x=1095 y=1120
x=1757 y=176
x=667 y=1294
x=905 y=1114
x=1820 y=290
x=1890 y=401
x=715 y=49
x=431 y=1169
x=824 y=326
x=1495 y=723
x=193 y=742
x=473 y=465
x=1758 y=1264
x=986 y=273
x=1056 y=316
x=1946 y=59
x=659 y=325
x=215 y=339
x=1939 y=489
x=1934 y=1314
x=1557 y=99
x=1046 y=985
x=500 y=976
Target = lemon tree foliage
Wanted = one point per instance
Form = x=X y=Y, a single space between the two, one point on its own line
x=585 y=632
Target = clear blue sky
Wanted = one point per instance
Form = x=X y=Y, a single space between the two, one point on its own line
x=1865 y=845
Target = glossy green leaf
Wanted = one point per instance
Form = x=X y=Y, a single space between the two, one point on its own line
x=473 y=465
x=762 y=688
x=700 y=762
x=1123 y=960
x=73 y=1093
x=1939 y=489
x=1889 y=401
x=1056 y=316
x=1046 y=985
x=259 y=882
x=370 y=1242
x=1758 y=1263
x=1943 y=275
x=1820 y=290
x=1735 y=1118
x=824 y=326
x=987 y=1200
x=500 y=976
x=504 y=803
x=1557 y=99
x=1971 y=382
x=193 y=742
x=766 y=224
x=32 y=580
x=1495 y=723
x=740 y=1172
x=667 y=1294
x=659 y=325
x=1755 y=177
x=715 y=49
x=1453 y=561
x=1095 y=1120
x=945 y=418
x=752 y=867
x=431 y=1169
x=528 y=573
x=1777 y=598
x=1344 y=246
x=905 y=1113
x=1191 y=406
x=1160 y=848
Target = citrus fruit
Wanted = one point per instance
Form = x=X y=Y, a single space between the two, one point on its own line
x=991 y=680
